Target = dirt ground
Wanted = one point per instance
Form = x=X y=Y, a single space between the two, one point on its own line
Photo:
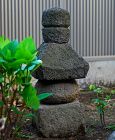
x=94 y=131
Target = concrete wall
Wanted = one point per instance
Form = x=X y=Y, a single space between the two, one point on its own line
x=100 y=72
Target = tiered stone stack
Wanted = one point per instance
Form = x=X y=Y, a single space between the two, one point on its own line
x=61 y=114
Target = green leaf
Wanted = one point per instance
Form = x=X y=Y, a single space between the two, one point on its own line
x=108 y=97
x=3 y=42
x=22 y=53
x=30 y=97
x=6 y=54
x=23 y=77
x=26 y=50
x=37 y=62
x=44 y=95
x=15 y=109
x=2 y=60
x=96 y=101
x=112 y=91
x=28 y=44
x=31 y=67
x=9 y=50
x=16 y=63
x=98 y=90
x=29 y=115
x=111 y=127
x=103 y=103
x=23 y=67
x=13 y=46
x=35 y=65
x=1 y=103
x=92 y=87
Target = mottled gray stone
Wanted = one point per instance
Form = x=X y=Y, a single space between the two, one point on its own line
x=112 y=136
x=60 y=62
x=56 y=35
x=62 y=91
x=60 y=120
x=56 y=17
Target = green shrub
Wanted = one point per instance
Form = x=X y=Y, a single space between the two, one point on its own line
x=101 y=101
x=17 y=95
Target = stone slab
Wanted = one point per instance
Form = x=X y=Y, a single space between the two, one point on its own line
x=60 y=120
x=60 y=62
x=56 y=35
x=56 y=17
x=62 y=91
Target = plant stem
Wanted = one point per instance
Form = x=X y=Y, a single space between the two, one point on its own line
x=1 y=109
x=19 y=120
x=11 y=104
x=103 y=119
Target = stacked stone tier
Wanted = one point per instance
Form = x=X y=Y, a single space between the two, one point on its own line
x=56 y=17
x=60 y=62
x=62 y=91
x=56 y=35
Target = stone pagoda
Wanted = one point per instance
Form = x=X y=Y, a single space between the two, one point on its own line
x=60 y=115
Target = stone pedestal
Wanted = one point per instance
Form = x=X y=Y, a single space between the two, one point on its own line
x=62 y=120
x=60 y=115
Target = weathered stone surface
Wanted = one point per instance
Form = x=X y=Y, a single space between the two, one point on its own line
x=112 y=136
x=56 y=17
x=63 y=91
x=60 y=120
x=56 y=35
x=60 y=62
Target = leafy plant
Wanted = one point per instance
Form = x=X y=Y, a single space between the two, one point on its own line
x=101 y=101
x=111 y=127
x=17 y=62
